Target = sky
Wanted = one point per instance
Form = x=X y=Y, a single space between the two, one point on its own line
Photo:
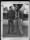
x=7 y=4
x=25 y=6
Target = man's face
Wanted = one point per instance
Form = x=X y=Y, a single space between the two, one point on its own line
x=16 y=7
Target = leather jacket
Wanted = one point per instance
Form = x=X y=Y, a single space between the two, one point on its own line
x=11 y=14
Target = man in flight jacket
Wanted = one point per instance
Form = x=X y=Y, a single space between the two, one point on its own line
x=11 y=17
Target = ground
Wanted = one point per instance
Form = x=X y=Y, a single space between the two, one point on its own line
x=5 y=32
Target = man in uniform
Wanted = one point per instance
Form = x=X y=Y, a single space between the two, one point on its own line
x=19 y=16
x=11 y=17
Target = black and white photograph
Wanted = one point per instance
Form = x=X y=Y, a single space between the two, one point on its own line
x=15 y=19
